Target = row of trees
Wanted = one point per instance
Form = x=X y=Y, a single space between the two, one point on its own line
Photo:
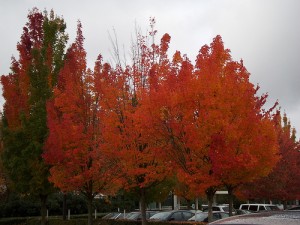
x=155 y=122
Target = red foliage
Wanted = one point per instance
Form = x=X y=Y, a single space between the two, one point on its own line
x=212 y=121
x=283 y=182
x=74 y=146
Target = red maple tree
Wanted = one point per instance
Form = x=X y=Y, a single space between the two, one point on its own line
x=74 y=147
x=216 y=130
x=282 y=183
x=129 y=123
x=243 y=139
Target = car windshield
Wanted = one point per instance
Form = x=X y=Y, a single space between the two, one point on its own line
x=129 y=214
x=120 y=216
x=161 y=216
x=110 y=215
x=133 y=215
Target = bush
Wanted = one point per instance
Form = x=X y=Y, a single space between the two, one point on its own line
x=28 y=206
x=17 y=206
x=13 y=221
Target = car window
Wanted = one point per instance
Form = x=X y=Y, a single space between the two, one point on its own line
x=226 y=209
x=148 y=215
x=224 y=215
x=215 y=208
x=253 y=207
x=245 y=207
x=187 y=215
x=177 y=216
x=261 y=208
x=272 y=207
x=216 y=216
x=151 y=213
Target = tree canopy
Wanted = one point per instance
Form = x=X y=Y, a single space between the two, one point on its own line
x=158 y=120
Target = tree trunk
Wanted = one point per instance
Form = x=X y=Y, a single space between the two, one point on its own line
x=230 y=198
x=43 y=199
x=210 y=192
x=64 y=206
x=143 y=205
x=189 y=205
x=173 y=202
x=90 y=210
x=197 y=203
x=285 y=203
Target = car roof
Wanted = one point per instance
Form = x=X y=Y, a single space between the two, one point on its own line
x=265 y=218
x=179 y=210
x=257 y=204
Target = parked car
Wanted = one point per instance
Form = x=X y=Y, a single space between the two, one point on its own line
x=174 y=215
x=203 y=216
x=259 y=207
x=111 y=215
x=241 y=211
x=120 y=216
x=114 y=216
x=263 y=218
x=219 y=208
x=138 y=215
x=294 y=208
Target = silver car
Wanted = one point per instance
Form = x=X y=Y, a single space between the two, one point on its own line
x=264 y=218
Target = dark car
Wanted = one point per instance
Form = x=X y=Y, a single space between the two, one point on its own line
x=138 y=215
x=175 y=215
x=295 y=208
x=203 y=216
x=264 y=218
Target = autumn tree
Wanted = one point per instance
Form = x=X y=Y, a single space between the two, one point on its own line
x=74 y=147
x=212 y=121
x=243 y=143
x=187 y=139
x=26 y=90
x=283 y=182
x=130 y=124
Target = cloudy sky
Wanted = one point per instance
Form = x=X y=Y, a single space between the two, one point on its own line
x=264 y=33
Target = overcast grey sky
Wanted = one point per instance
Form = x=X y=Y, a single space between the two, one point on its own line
x=264 y=33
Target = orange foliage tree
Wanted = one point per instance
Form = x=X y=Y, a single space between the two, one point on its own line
x=216 y=130
x=243 y=141
x=74 y=147
x=129 y=125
